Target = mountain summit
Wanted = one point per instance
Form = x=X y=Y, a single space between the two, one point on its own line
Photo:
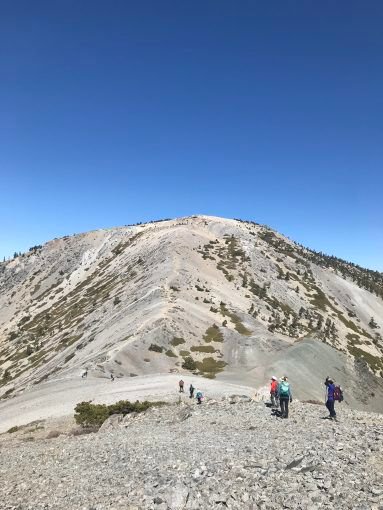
x=228 y=299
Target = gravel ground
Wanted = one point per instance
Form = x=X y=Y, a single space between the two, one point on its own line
x=231 y=453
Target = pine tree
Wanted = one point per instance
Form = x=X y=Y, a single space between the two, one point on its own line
x=372 y=323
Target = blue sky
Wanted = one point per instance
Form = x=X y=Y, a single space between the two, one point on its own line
x=118 y=112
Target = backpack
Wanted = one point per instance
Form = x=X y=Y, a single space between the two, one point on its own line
x=284 y=389
x=338 y=393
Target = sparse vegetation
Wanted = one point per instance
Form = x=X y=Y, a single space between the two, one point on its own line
x=177 y=341
x=372 y=323
x=69 y=357
x=189 y=364
x=202 y=348
x=171 y=354
x=12 y=430
x=374 y=362
x=209 y=367
x=213 y=334
x=156 y=348
x=242 y=330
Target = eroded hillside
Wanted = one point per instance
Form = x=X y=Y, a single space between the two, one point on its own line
x=226 y=298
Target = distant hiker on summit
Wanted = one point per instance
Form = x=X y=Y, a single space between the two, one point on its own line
x=181 y=386
x=333 y=392
x=285 y=396
x=274 y=391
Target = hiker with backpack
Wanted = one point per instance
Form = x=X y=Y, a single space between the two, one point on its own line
x=274 y=391
x=181 y=386
x=199 y=396
x=191 y=391
x=285 y=396
x=333 y=392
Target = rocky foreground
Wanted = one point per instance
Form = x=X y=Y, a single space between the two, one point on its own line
x=231 y=453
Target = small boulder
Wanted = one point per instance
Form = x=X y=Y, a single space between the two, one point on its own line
x=113 y=422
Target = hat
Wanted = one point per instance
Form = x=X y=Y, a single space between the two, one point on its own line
x=273 y=378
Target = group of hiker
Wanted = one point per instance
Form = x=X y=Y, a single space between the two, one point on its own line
x=281 y=395
x=192 y=390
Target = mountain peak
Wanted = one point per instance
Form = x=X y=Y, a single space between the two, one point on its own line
x=225 y=298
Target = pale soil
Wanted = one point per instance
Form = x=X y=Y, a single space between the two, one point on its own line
x=57 y=399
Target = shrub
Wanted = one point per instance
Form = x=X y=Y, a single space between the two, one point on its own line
x=156 y=348
x=202 y=348
x=213 y=334
x=210 y=367
x=94 y=415
x=13 y=429
x=177 y=341
x=189 y=363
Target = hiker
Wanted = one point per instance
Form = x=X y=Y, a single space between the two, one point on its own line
x=274 y=391
x=84 y=374
x=199 y=396
x=191 y=390
x=181 y=385
x=112 y=377
x=285 y=396
x=333 y=393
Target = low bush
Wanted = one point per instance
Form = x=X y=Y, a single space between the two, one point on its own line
x=156 y=348
x=94 y=415
x=189 y=363
x=177 y=341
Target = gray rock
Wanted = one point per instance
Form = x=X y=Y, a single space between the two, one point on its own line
x=160 y=462
x=111 y=423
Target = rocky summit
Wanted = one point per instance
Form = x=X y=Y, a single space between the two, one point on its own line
x=227 y=453
x=226 y=299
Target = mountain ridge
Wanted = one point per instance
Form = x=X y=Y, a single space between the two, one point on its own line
x=225 y=297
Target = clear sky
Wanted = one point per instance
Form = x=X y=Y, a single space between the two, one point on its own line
x=117 y=112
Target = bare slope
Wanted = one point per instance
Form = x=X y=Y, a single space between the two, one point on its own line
x=235 y=299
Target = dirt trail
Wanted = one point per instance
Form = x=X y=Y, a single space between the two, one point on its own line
x=57 y=398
